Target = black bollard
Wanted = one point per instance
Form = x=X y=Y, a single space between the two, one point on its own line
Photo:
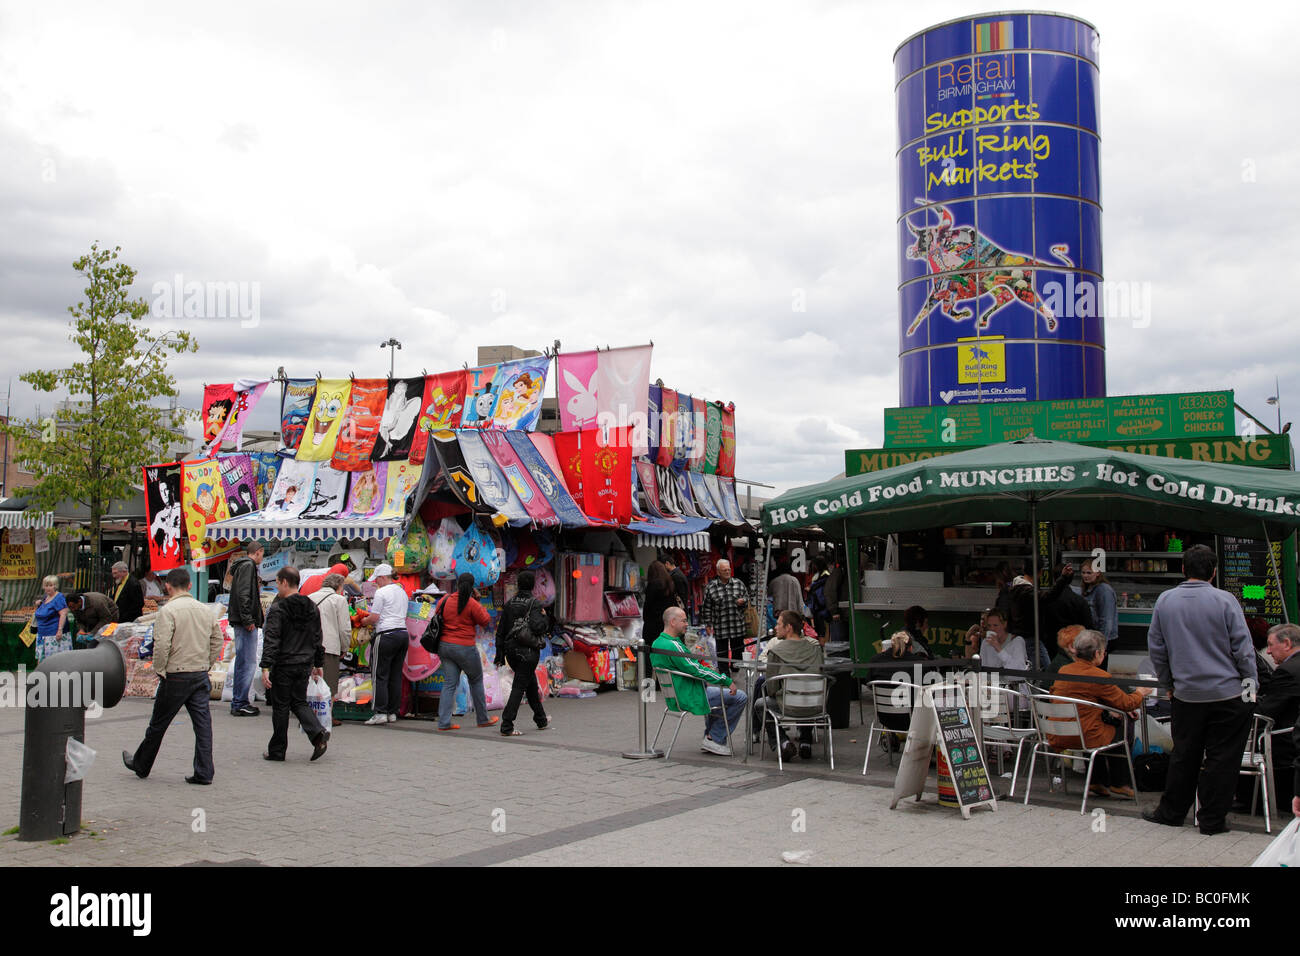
x=58 y=693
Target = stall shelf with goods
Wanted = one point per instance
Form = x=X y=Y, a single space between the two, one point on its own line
x=1075 y=488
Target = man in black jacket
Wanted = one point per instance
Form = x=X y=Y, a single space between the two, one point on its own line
x=523 y=655
x=245 y=619
x=127 y=594
x=1280 y=700
x=292 y=651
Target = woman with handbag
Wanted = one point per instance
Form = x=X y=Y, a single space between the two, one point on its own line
x=51 y=617
x=462 y=614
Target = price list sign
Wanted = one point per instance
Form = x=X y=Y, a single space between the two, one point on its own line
x=965 y=760
x=1246 y=573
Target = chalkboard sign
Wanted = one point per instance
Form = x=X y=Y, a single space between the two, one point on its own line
x=1246 y=573
x=942 y=718
x=970 y=776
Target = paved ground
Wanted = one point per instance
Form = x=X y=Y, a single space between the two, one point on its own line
x=404 y=794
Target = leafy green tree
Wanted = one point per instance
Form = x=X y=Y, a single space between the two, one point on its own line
x=95 y=445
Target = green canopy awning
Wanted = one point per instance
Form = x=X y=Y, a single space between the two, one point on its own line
x=1062 y=481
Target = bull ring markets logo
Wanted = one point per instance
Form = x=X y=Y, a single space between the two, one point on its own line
x=981 y=360
x=76 y=909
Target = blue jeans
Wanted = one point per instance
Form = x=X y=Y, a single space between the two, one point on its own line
x=245 y=665
x=719 y=697
x=456 y=658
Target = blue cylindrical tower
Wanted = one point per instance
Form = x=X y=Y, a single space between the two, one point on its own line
x=999 y=211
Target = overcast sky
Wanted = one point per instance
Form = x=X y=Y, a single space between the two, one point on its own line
x=463 y=174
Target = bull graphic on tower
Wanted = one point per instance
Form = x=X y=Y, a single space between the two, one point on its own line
x=965 y=265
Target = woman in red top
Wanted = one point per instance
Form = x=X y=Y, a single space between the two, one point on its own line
x=461 y=616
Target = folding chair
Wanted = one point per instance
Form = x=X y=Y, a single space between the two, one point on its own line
x=671 y=706
x=885 y=696
x=1059 y=717
x=800 y=702
x=998 y=729
x=1257 y=762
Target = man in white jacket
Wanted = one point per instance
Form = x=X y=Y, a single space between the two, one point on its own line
x=335 y=625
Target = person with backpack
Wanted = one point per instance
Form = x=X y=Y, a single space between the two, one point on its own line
x=522 y=632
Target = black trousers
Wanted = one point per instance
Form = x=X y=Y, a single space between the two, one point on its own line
x=525 y=683
x=386 y=666
x=192 y=691
x=733 y=647
x=1208 y=742
x=289 y=693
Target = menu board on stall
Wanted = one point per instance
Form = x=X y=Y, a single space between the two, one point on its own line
x=970 y=776
x=1246 y=573
x=1119 y=418
x=944 y=719
x=1044 y=546
x=17 y=555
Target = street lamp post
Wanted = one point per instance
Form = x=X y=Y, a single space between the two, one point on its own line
x=1276 y=400
x=394 y=345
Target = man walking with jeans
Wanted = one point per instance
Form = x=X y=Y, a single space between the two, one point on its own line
x=292 y=652
x=245 y=618
x=186 y=643
x=1199 y=643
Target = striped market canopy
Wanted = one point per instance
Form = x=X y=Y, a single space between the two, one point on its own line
x=259 y=529
x=687 y=542
x=26 y=519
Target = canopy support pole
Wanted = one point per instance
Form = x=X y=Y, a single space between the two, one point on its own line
x=1277 y=578
x=1033 y=553
x=851 y=592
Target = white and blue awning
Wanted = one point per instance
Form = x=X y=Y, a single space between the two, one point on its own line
x=305 y=529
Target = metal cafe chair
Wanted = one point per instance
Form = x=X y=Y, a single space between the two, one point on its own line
x=800 y=702
x=673 y=708
x=999 y=730
x=883 y=695
x=1060 y=717
x=1257 y=762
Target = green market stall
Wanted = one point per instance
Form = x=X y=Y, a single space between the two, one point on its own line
x=1035 y=480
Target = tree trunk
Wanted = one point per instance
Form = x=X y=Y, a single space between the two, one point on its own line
x=96 y=543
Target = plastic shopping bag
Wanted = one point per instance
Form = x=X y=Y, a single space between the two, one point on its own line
x=462 y=696
x=318 y=697
x=77 y=761
x=1284 y=850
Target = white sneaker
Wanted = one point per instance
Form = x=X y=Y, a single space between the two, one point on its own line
x=709 y=746
x=392 y=718
x=376 y=719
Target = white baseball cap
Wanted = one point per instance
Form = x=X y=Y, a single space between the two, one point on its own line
x=383 y=571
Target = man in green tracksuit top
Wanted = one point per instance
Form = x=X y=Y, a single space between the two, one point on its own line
x=703 y=694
